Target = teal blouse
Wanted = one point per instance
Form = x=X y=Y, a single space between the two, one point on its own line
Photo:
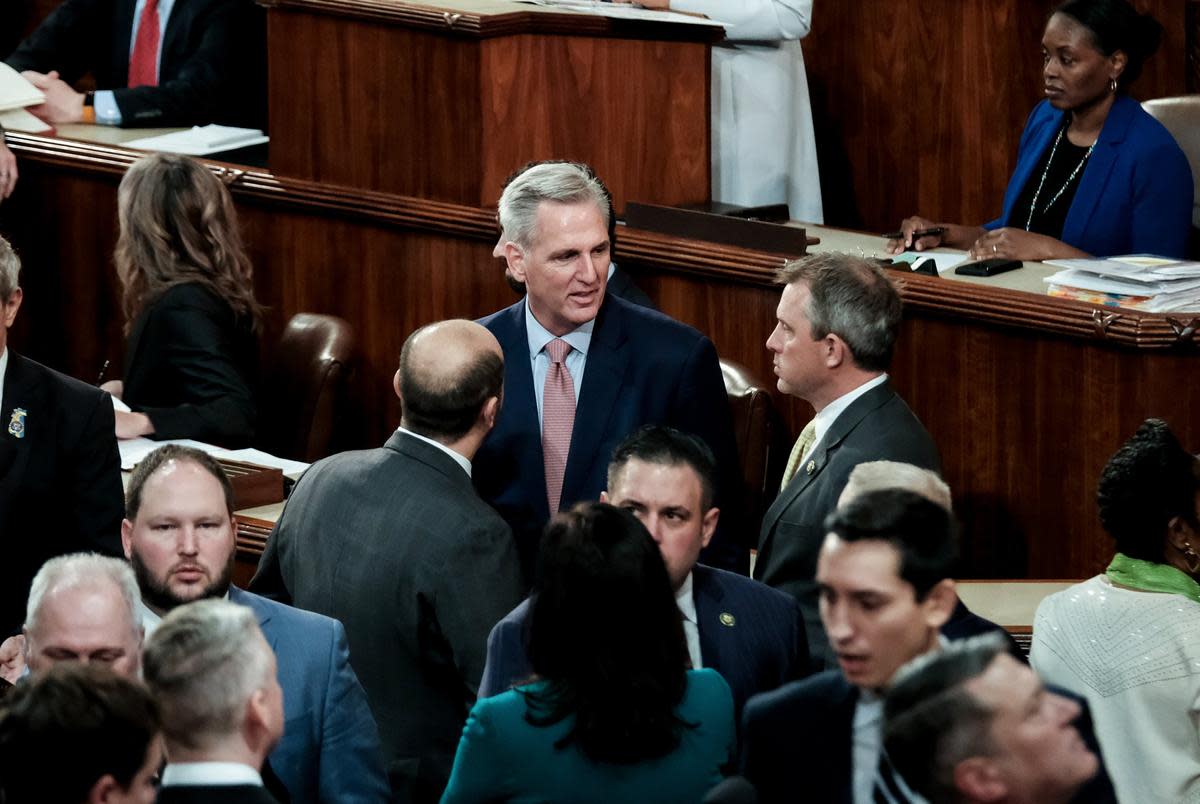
x=501 y=757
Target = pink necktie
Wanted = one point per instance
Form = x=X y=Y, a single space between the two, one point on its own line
x=558 y=419
x=143 y=61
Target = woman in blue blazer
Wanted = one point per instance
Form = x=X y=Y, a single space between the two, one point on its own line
x=613 y=714
x=1096 y=175
x=190 y=313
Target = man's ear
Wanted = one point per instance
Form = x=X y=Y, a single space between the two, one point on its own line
x=105 y=790
x=11 y=307
x=708 y=525
x=489 y=412
x=940 y=603
x=127 y=538
x=978 y=779
x=835 y=350
x=515 y=257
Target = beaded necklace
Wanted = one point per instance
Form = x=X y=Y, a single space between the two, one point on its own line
x=1037 y=194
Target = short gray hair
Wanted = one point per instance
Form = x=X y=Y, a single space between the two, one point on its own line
x=852 y=298
x=82 y=571
x=203 y=663
x=10 y=270
x=932 y=722
x=562 y=182
x=879 y=475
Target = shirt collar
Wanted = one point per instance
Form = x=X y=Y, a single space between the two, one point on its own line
x=3 y=371
x=828 y=415
x=195 y=774
x=686 y=601
x=458 y=457
x=151 y=619
x=580 y=338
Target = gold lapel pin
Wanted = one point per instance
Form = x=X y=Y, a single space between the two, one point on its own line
x=16 y=425
x=812 y=467
x=728 y=619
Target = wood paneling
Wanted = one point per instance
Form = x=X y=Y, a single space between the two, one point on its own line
x=445 y=115
x=1025 y=395
x=919 y=106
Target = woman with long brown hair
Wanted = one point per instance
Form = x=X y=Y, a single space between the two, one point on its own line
x=190 y=313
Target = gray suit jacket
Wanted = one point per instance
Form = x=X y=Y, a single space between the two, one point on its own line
x=395 y=543
x=877 y=426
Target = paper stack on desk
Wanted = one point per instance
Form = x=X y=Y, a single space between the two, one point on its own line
x=201 y=140
x=15 y=95
x=1140 y=281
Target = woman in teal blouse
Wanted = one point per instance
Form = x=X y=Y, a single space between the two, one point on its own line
x=613 y=715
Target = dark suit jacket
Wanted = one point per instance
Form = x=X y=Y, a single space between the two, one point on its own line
x=395 y=543
x=877 y=426
x=796 y=743
x=749 y=633
x=214 y=794
x=964 y=624
x=330 y=747
x=642 y=368
x=60 y=483
x=621 y=284
x=190 y=365
x=212 y=68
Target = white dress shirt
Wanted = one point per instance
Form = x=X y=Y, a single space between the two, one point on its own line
x=829 y=414
x=107 y=111
x=691 y=625
x=580 y=339
x=3 y=372
x=198 y=774
x=458 y=457
x=151 y=619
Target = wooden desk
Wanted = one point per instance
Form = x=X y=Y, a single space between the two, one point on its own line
x=1027 y=396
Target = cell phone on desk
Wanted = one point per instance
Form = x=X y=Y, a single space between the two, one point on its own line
x=997 y=265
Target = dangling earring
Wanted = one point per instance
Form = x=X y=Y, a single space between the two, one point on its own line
x=1112 y=85
x=1193 y=560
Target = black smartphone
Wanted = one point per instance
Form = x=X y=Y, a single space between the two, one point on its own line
x=987 y=267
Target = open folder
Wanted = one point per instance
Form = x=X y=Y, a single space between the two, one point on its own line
x=16 y=94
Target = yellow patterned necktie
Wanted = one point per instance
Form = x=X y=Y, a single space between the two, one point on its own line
x=803 y=443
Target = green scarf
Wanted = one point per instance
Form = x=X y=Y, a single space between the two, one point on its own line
x=1149 y=576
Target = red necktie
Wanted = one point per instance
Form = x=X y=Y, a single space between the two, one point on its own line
x=143 y=61
x=558 y=419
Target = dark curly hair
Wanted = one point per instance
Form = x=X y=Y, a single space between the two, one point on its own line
x=1148 y=482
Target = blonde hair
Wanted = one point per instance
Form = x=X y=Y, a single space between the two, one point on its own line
x=178 y=225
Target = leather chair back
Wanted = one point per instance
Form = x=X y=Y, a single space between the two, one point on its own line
x=1181 y=116
x=760 y=435
x=304 y=388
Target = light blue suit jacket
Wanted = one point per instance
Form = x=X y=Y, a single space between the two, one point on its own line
x=330 y=748
x=1135 y=195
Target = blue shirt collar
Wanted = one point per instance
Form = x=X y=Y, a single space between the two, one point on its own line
x=580 y=338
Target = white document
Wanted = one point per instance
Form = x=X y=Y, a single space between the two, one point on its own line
x=201 y=140
x=21 y=120
x=1135 y=267
x=16 y=92
x=133 y=450
x=120 y=406
x=622 y=11
x=1118 y=284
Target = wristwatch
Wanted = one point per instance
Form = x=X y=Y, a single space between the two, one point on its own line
x=89 y=99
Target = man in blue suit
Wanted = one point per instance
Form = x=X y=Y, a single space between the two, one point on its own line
x=883 y=575
x=583 y=369
x=179 y=536
x=751 y=634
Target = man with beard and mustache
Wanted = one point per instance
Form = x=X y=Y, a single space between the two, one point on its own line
x=179 y=535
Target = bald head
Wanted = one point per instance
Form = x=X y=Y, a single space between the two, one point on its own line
x=450 y=379
x=882 y=475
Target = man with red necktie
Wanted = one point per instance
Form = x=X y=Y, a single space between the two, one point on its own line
x=155 y=62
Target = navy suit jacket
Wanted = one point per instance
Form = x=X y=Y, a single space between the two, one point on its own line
x=749 y=633
x=330 y=748
x=1135 y=194
x=60 y=477
x=642 y=368
x=796 y=743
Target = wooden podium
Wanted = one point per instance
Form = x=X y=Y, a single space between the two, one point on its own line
x=445 y=102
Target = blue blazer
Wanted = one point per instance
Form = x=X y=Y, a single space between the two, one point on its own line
x=330 y=748
x=751 y=634
x=1135 y=195
x=797 y=743
x=503 y=757
x=642 y=368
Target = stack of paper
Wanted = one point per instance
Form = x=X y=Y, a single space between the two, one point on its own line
x=134 y=449
x=15 y=95
x=1140 y=281
x=201 y=140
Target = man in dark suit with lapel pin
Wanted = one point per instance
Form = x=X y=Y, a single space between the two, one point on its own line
x=213 y=675
x=583 y=369
x=749 y=633
x=155 y=62
x=836 y=327
x=60 y=472
x=884 y=578
x=395 y=543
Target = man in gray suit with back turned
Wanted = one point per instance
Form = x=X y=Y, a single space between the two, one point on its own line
x=395 y=543
x=836 y=327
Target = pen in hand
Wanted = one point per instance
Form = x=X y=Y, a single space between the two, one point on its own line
x=103 y=370
x=918 y=233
